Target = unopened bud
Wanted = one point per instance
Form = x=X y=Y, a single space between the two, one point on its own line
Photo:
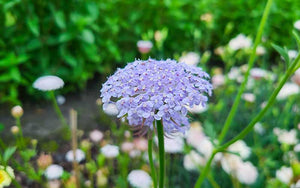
x=15 y=130
x=17 y=111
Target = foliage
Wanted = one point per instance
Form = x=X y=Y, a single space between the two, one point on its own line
x=75 y=39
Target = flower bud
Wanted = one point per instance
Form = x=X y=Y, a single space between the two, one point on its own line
x=15 y=130
x=85 y=145
x=17 y=111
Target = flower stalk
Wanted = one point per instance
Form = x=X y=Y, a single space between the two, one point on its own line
x=57 y=109
x=21 y=138
x=161 y=147
x=250 y=126
x=153 y=174
x=250 y=65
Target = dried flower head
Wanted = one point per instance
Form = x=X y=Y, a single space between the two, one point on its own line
x=44 y=161
x=145 y=91
x=48 y=83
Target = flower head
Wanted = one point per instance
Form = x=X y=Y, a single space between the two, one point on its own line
x=110 y=151
x=297 y=24
x=190 y=58
x=240 y=42
x=48 y=83
x=96 y=136
x=6 y=175
x=284 y=174
x=17 y=111
x=144 y=46
x=54 y=172
x=145 y=91
x=139 y=179
x=80 y=155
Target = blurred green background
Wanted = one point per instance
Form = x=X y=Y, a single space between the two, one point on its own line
x=74 y=39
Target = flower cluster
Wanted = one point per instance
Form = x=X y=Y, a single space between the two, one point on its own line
x=145 y=91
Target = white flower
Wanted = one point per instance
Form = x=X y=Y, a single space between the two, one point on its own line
x=193 y=161
x=249 y=97
x=60 y=99
x=292 y=54
x=246 y=173
x=260 y=50
x=287 y=90
x=96 y=136
x=297 y=148
x=194 y=134
x=190 y=58
x=240 y=42
x=258 y=73
x=48 y=83
x=286 y=137
x=54 y=172
x=127 y=147
x=174 y=144
x=110 y=151
x=297 y=185
x=139 y=179
x=230 y=163
x=218 y=80
x=144 y=46
x=111 y=109
x=197 y=109
x=284 y=174
x=235 y=74
x=205 y=147
x=258 y=128
x=241 y=148
x=80 y=155
x=136 y=153
x=297 y=24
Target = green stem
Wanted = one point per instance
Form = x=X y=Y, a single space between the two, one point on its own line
x=57 y=109
x=250 y=65
x=153 y=174
x=22 y=143
x=205 y=171
x=250 y=126
x=161 y=147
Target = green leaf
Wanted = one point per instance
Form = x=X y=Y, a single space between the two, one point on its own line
x=8 y=153
x=27 y=154
x=60 y=19
x=88 y=36
x=283 y=52
x=33 y=24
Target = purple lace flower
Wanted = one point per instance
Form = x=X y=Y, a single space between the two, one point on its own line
x=145 y=91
